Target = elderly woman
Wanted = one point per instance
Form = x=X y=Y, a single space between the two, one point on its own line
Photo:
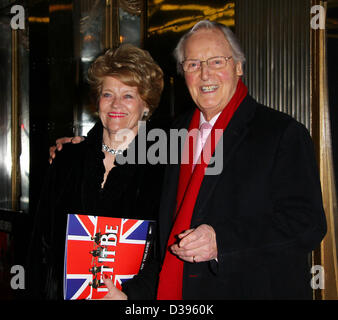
x=87 y=177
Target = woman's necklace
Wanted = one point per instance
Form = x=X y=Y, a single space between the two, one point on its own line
x=112 y=151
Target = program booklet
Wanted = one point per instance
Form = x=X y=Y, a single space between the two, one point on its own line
x=98 y=247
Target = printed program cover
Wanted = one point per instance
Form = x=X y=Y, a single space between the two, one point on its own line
x=98 y=246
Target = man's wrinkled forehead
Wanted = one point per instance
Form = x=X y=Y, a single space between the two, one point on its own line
x=211 y=35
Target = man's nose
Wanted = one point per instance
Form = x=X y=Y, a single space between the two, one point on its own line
x=204 y=70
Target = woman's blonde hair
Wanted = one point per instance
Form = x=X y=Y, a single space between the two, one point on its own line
x=132 y=66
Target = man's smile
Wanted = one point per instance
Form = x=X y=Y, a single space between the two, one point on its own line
x=207 y=89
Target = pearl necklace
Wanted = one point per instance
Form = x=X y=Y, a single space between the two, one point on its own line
x=112 y=151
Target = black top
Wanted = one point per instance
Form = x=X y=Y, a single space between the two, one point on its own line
x=73 y=185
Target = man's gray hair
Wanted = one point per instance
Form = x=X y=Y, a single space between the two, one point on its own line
x=238 y=54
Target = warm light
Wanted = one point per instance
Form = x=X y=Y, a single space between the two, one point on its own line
x=193 y=7
x=158 y=1
x=60 y=7
x=225 y=15
x=88 y=37
x=39 y=19
x=189 y=22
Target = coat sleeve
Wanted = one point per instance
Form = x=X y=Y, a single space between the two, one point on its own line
x=37 y=258
x=42 y=260
x=296 y=222
x=143 y=286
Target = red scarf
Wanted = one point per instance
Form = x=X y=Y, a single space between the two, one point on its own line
x=171 y=276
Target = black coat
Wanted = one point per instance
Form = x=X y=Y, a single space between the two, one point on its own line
x=73 y=185
x=265 y=206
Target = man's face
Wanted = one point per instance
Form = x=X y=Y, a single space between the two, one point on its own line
x=211 y=90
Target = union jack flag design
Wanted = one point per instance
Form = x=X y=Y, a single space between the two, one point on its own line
x=98 y=246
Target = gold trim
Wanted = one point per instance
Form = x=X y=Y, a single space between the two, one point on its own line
x=144 y=23
x=326 y=255
x=115 y=25
x=112 y=25
x=15 y=124
x=107 y=42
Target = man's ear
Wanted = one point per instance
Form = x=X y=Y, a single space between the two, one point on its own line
x=239 y=69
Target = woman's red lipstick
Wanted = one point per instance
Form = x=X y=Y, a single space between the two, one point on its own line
x=116 y=114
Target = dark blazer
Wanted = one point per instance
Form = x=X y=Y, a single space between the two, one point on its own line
x=265 y=206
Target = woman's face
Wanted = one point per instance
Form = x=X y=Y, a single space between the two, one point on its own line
x=120 y=106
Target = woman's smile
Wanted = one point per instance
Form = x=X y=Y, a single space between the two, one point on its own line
x=117 y=114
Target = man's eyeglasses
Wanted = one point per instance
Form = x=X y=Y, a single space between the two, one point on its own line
x=191 y=65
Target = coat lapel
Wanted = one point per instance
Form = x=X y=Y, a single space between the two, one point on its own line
x=170 y=184
x=232 y=138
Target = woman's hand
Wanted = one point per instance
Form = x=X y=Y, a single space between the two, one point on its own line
x=113 y=292
x=60 y=142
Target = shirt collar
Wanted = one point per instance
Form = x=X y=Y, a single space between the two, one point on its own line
x=212 y=121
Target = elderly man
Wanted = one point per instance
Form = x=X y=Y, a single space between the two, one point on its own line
x=246 y=233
